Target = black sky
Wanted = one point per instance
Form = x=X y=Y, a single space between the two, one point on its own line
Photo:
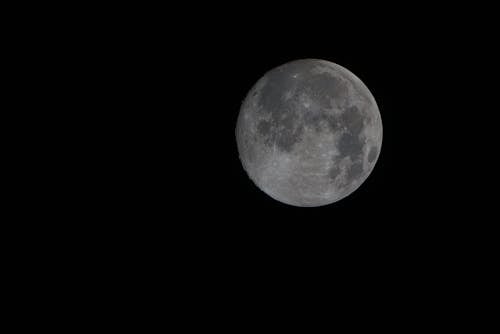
x=156 y=202
x=184 y=178
x=133 y=198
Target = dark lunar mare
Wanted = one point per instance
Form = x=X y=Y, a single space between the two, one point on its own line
x=323 y=87
x=372 y=155
x=355 y=171
x=280 y=123
x=282 y=120
x=351 y=142
x=334 y=172
x=277 y=127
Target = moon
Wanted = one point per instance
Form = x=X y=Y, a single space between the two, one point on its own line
x=309 y=133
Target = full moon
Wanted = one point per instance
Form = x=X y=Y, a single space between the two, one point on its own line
x=309 y=133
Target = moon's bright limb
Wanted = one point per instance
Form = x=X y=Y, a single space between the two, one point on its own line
x=309 y=133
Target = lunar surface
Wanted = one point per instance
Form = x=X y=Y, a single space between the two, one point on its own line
x=309 y=133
